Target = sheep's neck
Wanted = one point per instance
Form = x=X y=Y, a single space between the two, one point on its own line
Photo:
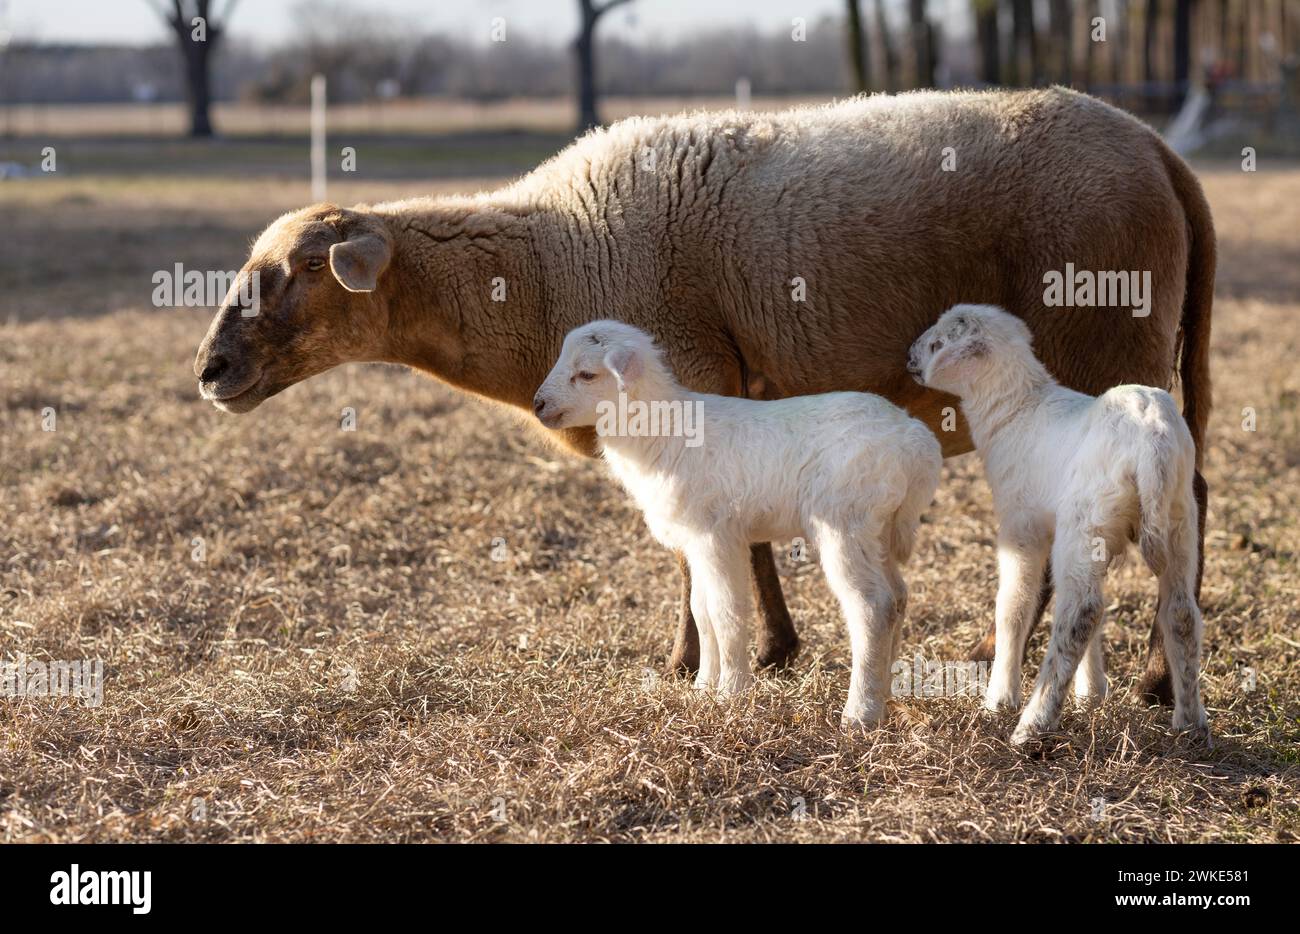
x=648 y=450
x=464 y=306
x=999 y=399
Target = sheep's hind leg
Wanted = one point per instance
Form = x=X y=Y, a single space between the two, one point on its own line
x=718 y=572
x=778 y=644
x=856 y=574
x=685 y=657
x=1090 y=684
x=1080 y=605
x=1022 y=558
x=1180 y=623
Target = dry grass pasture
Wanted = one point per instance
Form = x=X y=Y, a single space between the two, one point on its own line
x=435 y=627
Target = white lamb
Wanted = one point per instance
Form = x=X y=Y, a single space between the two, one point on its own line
x=1077 y=477
x=850 y=472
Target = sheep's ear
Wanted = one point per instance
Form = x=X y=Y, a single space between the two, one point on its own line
x=624 y=363
x=360 y=260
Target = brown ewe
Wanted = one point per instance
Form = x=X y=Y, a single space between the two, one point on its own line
x=810 y=247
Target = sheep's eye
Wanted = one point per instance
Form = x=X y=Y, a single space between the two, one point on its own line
x=935 y=345
x=315 y=263
x=586 y=377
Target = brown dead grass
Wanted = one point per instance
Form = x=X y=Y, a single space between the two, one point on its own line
x=350 y=662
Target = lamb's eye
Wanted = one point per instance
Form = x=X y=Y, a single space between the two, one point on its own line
x=315 y=264
x=586 y=377
x=935 y=345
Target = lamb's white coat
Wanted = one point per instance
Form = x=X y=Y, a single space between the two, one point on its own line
x=1075 y=477
x=850 y=472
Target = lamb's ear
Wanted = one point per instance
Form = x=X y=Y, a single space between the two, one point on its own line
x=625 y=364
x=360 y=260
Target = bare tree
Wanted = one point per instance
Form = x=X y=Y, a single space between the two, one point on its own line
x=198 y=34
x=887 y=48
x=1183 y=10
x=585 y=49
x=859 y=55
x=1150 y=23
x=986 y=29
x=1061 y=29
x=1024 y=44
x=923 y=45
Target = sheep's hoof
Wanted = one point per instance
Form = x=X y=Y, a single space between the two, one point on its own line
x=1154 y=687
x=865 y=722
x=778 y=655
x=982 y=651
x=1040 y=745
x=683 y=664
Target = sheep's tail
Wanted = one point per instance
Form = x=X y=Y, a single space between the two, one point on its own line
x=1194 y=330
x=925 y=463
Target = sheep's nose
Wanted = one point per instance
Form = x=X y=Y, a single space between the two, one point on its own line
x=216 y=365
x=539 y=405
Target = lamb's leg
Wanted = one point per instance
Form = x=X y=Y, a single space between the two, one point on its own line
x=685 y=658
x=708 y=642
x=856 y=574
x=1180 y=622
x=1155 y=685
x=1090 y=680
x=778 y=644
x=1080 y=605
x=986 y=649
x=718 y=572
x=1022 y=558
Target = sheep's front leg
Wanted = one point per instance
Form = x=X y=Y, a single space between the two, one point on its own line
x=720 y=582
x=707 y=677
x=1022 y=559
x=1080 y=605
x=872 y=597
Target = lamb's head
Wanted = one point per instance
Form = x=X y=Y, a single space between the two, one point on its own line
x=304 y=302
x=963 y=345
x=597 y=362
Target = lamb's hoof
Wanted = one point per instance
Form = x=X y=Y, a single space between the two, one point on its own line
x=702 y=683
x=1154 y=687
x=867 y=721
x=779 y=655
x=1090 y=700
x=1040 y=745
x=736 y=682
x=1196 y=735
x=1000 y=701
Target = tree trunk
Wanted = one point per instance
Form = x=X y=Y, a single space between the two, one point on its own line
x=922 y=44
x=887 y=48
x=1025 y=42
x=198 y=85
x=1149 y=27
x=858 y=53
x=1062 y=31
x=986 y=27
x=1182 y=50
x=585 y=59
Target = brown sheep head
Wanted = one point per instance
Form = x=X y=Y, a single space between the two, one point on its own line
x=304 y=302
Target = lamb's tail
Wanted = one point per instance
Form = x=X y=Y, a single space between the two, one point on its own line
x=925 y=463
x=1158 y=484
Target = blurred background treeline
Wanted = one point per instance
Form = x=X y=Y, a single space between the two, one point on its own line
x=1146 y=55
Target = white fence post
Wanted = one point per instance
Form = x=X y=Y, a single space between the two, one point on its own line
x=318 y=138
